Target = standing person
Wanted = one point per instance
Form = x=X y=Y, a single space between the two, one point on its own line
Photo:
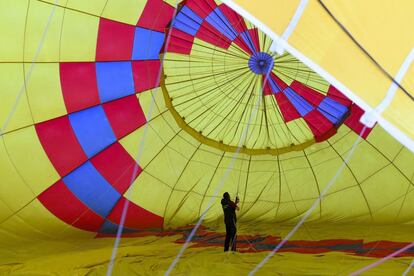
x=229 y=209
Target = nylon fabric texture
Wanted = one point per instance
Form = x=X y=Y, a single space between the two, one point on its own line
x=89 y=72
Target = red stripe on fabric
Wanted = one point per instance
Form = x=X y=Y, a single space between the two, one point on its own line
x=60 y=201
x=201 y=7
x=353 y=121
x=117 y=167
x=79 y=85
x=279 y=82
x=337 y=95
x=211 y=35
x=136 y=217
x=146 y=74
x=115 y=41
x=235 y=19
x=309 y=94
x=60 y=144
x=156 y=15
x=180 y=42
x=125 y=115
x=321 y=127
x=289 y=112
x=239 y=41
x=267 y=90
x=254 y=34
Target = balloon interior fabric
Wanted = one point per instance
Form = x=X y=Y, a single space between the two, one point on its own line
x=151 y=105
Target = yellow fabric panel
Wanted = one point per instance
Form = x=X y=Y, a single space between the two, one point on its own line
x=407 y=208
x=45 y=97
x=399 y=113
x=361 y=19
x=153 y=142
x=146 y=99
x=372 y=161
x=93 y=7
x=404 y=161
x=384 y=143
x=22 y=193
x=12 y=13
x=36 y=218
x=320 y=39
x=393 y=189
x=276 y=14
x=13 y=98
x=57 y=2
x=174 y=161
x=5 y=210
x=142 y=192
x=37 y=172
x=188 y=193
x=325 y=163
x=355 y=210
x=115 y=10
x=79 y=36
x=39 y=34
x=298 y=131
x=290 y=169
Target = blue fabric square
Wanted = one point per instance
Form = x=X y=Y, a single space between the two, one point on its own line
x=115 y=80
x=300 y=104
x=249 y=41
x=92 y=128
x=221 y=23
x=147 y=44
x=332 y=110
x=273 y=85
x=188 y=21
x=87 y=184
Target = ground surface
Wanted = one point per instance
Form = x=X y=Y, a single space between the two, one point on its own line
x=315 y=250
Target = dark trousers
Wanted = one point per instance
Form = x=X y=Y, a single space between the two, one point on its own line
x=230 y=237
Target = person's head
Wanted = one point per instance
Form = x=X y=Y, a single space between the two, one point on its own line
x=226 y=196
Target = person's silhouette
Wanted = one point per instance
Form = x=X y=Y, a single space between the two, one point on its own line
x=229 y=209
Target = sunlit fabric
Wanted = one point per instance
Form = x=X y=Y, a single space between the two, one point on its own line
x=345 y=39
x=111 y=103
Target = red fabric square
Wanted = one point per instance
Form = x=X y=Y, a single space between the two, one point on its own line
x=310 y=95
x=180 y=42
x=79 y=85
x=136 y=216
x=321 y=127
x=289 y=112
x=60 y=144
x=115 y=41
x=125 y=115
x=201 y=8
x=60 y=201
x=156 y=15
x=235 y=19
x=146 y=74
x=279 y=82
x=210 y=34
x=337 y=95
x=353 y=121
x=117 y=167
x=267 y=89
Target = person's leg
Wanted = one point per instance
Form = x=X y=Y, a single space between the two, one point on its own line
x=233 y=238
x=228 y=238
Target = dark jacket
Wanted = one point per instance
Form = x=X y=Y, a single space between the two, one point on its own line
x=229 y=209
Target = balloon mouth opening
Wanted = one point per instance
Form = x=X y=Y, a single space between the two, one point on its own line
x=261 y=63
